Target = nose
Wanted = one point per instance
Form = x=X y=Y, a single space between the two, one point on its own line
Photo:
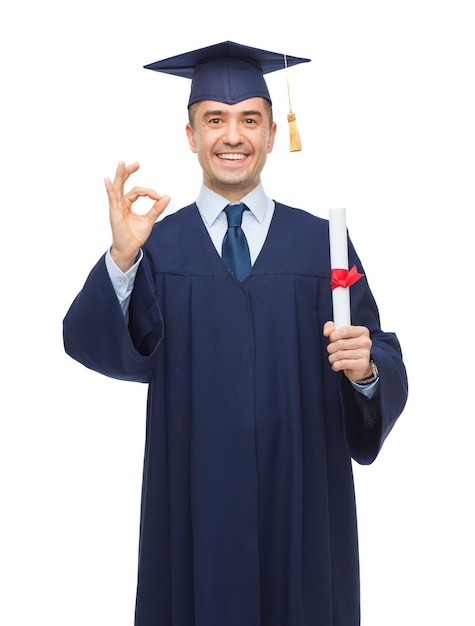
x=233 y=135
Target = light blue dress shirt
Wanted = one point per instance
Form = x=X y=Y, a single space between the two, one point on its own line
x=255 y=224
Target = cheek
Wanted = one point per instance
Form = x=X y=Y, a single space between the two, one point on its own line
x=201 y=143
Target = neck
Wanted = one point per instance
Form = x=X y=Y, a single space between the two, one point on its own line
x=232 y=193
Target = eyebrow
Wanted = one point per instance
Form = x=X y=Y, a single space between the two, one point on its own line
x=251 y=113
x=248 y=113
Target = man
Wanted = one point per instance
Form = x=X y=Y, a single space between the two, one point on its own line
x=256 y=402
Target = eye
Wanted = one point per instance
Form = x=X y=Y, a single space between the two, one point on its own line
x=250 y=121
x=214 y=121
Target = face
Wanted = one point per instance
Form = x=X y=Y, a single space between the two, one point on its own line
x=232 y=142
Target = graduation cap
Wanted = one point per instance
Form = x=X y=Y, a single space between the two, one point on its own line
x=229 y=72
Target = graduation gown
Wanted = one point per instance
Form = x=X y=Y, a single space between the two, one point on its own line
x=248 y=513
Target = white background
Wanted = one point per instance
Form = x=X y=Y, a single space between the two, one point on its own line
x=386 y=115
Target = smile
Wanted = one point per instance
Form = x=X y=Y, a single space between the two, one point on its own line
x=232 y=156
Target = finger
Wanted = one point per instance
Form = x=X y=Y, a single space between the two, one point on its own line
x=328 y=328
x=349 y=360
x=347 y=348
x=119 y=174
x=350 y=333
x=142 y=192
x=115 y=188
x=109 y=185
x=112 y=194
x=349 y=355
x=122 y=174
x=130 y=169
x=355 y=331
x=158 y=208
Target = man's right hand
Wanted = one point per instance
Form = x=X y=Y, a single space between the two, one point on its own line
x=130 y=230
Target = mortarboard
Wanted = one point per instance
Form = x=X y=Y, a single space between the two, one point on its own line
x=228 y=72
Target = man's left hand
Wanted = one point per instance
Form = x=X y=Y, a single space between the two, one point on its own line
x=349 y=350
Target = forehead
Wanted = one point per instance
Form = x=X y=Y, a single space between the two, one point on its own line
x=245 y=107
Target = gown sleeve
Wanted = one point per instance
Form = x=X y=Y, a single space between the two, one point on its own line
x=96 y=334
x=369 y=421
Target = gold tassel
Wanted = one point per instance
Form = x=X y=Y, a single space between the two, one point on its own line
x=295 y=143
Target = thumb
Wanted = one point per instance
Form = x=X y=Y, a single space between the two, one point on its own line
x=158 y=207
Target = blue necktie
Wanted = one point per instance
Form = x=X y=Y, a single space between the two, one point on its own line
x=235 y=251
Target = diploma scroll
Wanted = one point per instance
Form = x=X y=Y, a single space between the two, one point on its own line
x=339 y=261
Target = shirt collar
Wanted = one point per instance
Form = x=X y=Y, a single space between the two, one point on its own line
x=210 y=204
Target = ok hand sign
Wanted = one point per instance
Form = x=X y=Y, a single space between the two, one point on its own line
x=130 y=230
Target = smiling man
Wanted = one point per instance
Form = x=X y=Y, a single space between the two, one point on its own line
x=232 y=143
x=257 y=404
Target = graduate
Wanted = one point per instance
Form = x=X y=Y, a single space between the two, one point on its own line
x=257 y=404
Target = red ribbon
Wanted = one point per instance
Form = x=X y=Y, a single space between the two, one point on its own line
x=345 y=278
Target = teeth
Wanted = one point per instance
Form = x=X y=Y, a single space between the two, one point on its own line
x=232 y=156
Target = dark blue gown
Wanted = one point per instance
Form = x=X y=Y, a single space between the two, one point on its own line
x=248 y=512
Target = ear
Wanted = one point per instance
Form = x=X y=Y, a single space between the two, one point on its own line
x=190 y=133
x=270 y=141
